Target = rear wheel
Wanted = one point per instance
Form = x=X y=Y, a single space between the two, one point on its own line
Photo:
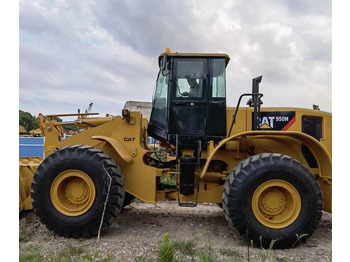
x=70 y=188
x=272 y=197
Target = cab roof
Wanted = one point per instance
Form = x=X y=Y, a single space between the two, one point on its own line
x=195 y=55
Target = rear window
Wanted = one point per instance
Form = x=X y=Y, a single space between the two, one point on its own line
x=312 y=126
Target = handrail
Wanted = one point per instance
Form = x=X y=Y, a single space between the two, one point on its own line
x=236 y=111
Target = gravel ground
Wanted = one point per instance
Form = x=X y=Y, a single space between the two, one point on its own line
x=137 y=230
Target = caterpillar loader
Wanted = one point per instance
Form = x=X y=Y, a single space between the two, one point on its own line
x=23 y=132
x=269 y=168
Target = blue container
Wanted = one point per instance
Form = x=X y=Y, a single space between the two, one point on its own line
x=31 y=146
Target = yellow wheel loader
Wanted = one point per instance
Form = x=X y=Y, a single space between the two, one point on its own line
x=27 y=168
x=269 y=168
x=23 y=132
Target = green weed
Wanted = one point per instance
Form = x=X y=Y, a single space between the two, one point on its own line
x=186 y=248
x=298 y=239
x=69 y=253
x=208 y=255
x=231 y=253
x=25 y=236
x=30 y=254
x=95 y=257
x=165 y=249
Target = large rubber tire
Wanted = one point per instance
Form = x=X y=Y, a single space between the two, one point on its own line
x=244 y=180
x=94 y=163
x=128 y=199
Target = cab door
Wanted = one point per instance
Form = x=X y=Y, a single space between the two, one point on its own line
x=216 y=119
x=188 y=103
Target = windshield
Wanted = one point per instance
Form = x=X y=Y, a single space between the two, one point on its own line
x=159 y=112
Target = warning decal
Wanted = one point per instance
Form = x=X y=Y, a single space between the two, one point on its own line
x=280 y=120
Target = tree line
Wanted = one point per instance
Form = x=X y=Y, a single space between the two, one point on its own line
x=30 y=122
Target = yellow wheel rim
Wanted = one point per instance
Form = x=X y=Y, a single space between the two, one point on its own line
x=276 y=204
x=72 y=192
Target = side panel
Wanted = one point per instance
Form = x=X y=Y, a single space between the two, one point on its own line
x=293 y=124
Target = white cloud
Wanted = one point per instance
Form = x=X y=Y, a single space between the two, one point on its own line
x=106 y=52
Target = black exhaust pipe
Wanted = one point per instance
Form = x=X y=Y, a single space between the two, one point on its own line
x=256 y=101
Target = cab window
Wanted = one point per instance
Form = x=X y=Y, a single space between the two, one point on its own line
x=218 y=79
x=189 y=79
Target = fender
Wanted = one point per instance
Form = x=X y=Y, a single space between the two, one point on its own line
x=322 y=156
x=118 y=147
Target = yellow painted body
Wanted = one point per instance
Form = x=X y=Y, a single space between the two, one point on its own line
x=27 y=168
x=125 y=141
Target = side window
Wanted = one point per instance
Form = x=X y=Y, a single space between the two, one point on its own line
x=159 y=110
x=312 y=126
x=218 y=81
x=161 y=90
x=189 y=79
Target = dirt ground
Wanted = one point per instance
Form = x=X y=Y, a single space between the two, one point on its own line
x=138 y=229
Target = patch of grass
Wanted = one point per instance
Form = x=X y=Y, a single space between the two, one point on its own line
x=206 y=256
x=25 y=236
x=229 y=252
x=30 y=254
x=281 y=259
x=266 y=255
x=95 y=257
x=186 y=248
x=182 y=251
x=145 y=259
x=68 y=253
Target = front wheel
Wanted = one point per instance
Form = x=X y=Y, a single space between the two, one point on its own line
x=70 y=188
x=272 y=199
x=128 y=199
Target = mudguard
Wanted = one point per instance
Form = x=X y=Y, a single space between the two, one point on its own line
x=118 y=147
x=322 y=156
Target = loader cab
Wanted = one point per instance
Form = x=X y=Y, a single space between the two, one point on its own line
x=189 y=102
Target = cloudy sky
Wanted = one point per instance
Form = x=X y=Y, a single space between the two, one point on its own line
x=76 y=52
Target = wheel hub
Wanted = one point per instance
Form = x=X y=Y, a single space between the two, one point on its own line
x=276 y=203
x=77 y=191
x=72 y=192
x=272 y=202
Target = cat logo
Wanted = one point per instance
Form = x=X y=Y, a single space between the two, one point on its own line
x=280 y=120
x=265 y=126
x=267 y=122
x=126 y=139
